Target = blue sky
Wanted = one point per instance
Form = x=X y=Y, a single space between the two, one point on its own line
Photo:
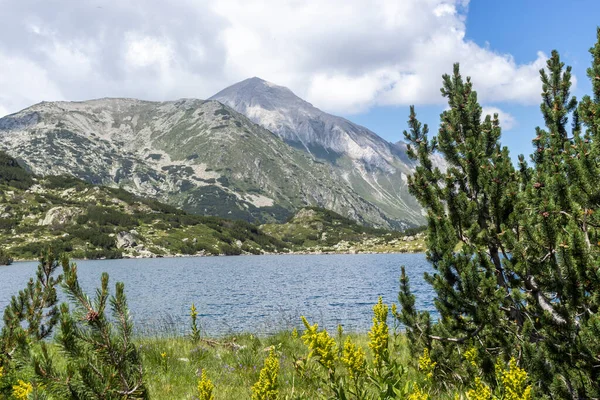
x=520 y=28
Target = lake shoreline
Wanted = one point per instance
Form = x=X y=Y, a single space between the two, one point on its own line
x=291 y=253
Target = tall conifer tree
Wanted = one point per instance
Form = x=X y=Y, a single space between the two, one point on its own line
x=516 y=254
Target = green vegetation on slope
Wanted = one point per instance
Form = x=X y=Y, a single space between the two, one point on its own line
x=5 y=259
x=87 y=221
x=318 y=230
x=12 y=174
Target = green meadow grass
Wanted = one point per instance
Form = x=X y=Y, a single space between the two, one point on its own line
x=173 y=365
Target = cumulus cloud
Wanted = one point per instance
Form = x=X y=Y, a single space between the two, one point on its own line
x=507 y=121
x=342 y=55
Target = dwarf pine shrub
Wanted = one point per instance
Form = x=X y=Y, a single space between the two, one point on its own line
x=31 y=315
x=102 y=361
x=515 y=249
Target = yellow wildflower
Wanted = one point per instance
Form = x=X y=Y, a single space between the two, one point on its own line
x=426 y=365
x=320 y=344
x=354 y=359
x=22 y=390
x=379 y=333
x=164 y=361
x=480 y=392
x=471 y=356
x=1 y=372
x=194 y=317
x=514 y=381
x=266 y=388
x=294 y=333
x=205 y=388
x=418 y=394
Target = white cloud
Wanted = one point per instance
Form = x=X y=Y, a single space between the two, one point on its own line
x=146 y=51
x=342 y=55
x=23 y=82
x=507 y=121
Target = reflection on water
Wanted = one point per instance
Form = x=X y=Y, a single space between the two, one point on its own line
x=259 y=294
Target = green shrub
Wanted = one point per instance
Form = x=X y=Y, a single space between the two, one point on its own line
x=102 y=362
x=229 y=250
x=12 y=174
x=5 y=258
x=8 y=224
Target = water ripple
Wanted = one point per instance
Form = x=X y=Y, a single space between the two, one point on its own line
x=259 y=294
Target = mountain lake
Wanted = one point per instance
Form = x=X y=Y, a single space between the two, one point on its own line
x=256 y=294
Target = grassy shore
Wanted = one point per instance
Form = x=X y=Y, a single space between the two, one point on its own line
x=173 y=365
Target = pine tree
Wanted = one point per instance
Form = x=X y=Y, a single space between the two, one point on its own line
x=554 y=252
x=102 y=360
x=32 y=315
x=515 y=252
x=468 y=207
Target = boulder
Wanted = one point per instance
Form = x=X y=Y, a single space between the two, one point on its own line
x=60 y=216
x=127 y=239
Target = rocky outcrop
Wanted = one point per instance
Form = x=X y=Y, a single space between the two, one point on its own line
x=125 y=240
x=60 y=216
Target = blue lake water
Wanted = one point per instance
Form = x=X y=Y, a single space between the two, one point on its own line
x=258 y=294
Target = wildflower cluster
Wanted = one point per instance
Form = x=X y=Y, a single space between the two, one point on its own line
x=22 y=390
x=205 y=387
x=480 y=392
x=267 y=388
x=320 y=344
x=418 y=394
x=353 y=357
x=426 y=364
x=514 y=381
x=471 y=356
x=379 y=333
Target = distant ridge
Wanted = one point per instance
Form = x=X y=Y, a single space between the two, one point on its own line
x=199 y=155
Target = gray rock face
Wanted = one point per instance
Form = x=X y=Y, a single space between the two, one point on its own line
x=60 y=216
x=279 y=110
x=126 y=239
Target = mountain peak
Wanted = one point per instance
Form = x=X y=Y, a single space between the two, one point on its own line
x=256 y=81
x=259 y=93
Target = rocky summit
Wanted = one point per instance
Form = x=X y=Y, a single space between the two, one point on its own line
x=375 y=169
x=255 y=151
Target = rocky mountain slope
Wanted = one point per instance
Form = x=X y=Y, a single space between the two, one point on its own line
x=89 y=221
x=376 y=169
x=198 y=155
x=206 y=158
